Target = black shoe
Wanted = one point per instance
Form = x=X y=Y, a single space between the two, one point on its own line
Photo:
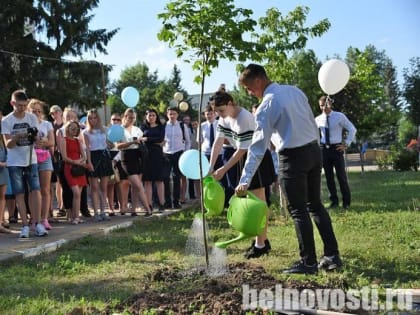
x=116 y=205
x=133 y=214
x=255 y=252
x=161 y=208
x=6 y=225
x=167 y=205
x=302 y=268
x=86 y=214
x=13 y=220
x=333 y=205
x=177 y=206
x=61 y=213
x=148 y=214
x=346 y=206
x=266 y=243
x=330 y=263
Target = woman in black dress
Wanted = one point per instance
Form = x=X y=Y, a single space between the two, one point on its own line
x=153 y=135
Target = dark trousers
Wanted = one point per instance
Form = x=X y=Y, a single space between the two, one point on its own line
x=171 y=167
x=191 y=188
x=333 y=159
x=231 y=176
x=300 y=180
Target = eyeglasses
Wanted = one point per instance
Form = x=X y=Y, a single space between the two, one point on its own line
x=116 y=119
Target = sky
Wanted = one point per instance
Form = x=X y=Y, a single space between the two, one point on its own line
x=390 y=25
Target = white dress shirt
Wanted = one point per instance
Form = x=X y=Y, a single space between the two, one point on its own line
x=174 y=140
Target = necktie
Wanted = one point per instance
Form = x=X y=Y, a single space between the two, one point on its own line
x=327 y=131
x=211 y=135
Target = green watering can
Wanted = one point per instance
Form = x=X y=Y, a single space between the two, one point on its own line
x=246 y=215
x=214 y=196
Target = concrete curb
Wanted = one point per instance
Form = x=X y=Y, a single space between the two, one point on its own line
x=53 y=246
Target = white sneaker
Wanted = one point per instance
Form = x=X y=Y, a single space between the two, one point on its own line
x=25 y=232
x=40 y=230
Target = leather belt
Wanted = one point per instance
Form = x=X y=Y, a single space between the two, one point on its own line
x=328 y=146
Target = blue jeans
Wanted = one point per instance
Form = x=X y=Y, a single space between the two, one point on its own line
x=20 y=175
x=300 y=179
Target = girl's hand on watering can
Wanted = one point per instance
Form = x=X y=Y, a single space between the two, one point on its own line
x=241 y=190
x=219 y=173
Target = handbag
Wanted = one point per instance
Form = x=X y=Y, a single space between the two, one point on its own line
x=42 y=155
x=77 y=170
x=115 y=178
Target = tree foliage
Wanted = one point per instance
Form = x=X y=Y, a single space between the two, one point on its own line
x=205 y=31
x=58 y=30
x=280 y=36
x=154 y=92
x=412 y=90
x=370 y=98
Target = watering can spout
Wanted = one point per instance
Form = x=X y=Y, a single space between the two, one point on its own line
x=225 y=244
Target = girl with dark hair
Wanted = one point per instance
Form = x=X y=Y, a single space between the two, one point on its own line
x=153 y=136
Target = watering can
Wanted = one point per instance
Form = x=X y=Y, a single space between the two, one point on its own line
x=214 y=196
x=246 y=215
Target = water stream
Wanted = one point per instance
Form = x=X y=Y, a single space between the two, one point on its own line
x=195 y=255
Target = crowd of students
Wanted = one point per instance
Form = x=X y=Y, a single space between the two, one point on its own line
x=60 y=160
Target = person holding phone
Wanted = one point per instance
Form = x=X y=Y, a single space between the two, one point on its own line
x=132 y=159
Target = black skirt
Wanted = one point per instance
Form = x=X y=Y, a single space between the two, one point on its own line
x=102 y=164
x=265 y=174
x=154 y=164
x=132 y=162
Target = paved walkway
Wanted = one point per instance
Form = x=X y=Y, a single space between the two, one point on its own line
x=13 y=247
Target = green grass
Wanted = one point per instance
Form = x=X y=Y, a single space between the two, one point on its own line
x=379 y=239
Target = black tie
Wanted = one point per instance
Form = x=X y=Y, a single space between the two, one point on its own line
x=327 y=131
x=211 y=135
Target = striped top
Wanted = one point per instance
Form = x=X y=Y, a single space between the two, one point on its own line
x=239 y=130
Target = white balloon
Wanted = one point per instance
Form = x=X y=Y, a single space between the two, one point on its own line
x=333 y=76
x=178 y=96
x=183 y=106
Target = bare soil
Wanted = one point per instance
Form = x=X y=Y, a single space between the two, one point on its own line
x=174 y=291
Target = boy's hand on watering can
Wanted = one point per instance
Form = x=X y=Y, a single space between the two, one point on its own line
x=241 y=190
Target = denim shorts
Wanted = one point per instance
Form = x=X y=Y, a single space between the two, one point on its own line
x=20 y=175
x=46 y=165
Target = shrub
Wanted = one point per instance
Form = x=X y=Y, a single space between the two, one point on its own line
x=405 y=160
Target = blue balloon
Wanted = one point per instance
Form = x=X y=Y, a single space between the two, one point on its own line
x=115 y=133
x=189 y=164
x=130 y=96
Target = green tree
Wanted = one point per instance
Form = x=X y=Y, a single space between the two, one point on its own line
x=154 y=92
x=280 y=36
x=65 y=25
x=15 y=44
x=209 y=30
x=204 y=31
x=305 y=66
x=368 y=100
x=411 y=90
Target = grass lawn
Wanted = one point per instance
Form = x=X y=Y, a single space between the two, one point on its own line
x=379 y=239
